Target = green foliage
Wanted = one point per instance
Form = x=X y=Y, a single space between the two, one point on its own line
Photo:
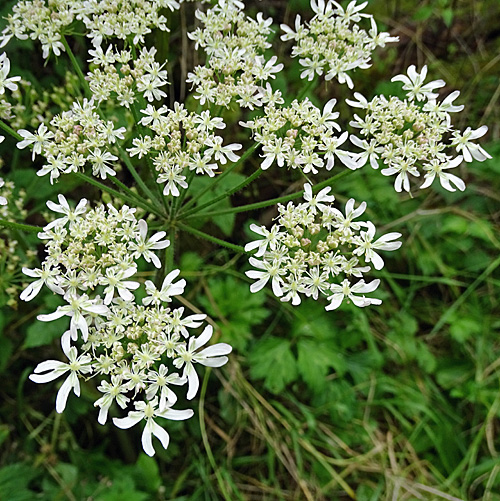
x=236 y=309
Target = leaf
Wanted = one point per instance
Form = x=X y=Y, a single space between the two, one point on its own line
x=272 y=360
x=43 y=333
x=14 y=481
x=314 y=361
x=226 y=221
x=237 y=309
x=148 y=477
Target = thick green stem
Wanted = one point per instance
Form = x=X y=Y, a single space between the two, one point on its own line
x=77 y=68
x=19 y=226
x=170 y=251
x=10 y=131
x=218 y=179
x=210 y=238
x=273 y=201
x=135 y=175
x=227 y=194
x=122 y=196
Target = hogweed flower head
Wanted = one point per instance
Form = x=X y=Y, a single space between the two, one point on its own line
x=332 y=43
x=409 y=137
x=133 y=348
x=315 y=249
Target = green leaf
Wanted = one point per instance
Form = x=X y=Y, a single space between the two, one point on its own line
x=314 y=361
x=149 y=474
x=272 y=360
x=226 y=221
x=14 y=481
x=447 y=15
x=43 y=333
x=236 y=308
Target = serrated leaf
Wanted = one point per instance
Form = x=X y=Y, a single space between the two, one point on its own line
x=237 y=308
x=272 y=360
x=14 y=480
x=315 y=360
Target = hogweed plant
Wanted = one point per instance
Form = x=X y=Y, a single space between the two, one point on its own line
x=125 y=332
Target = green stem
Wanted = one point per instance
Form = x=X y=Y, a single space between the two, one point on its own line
x=204 y=436
x=19 y=226
x=77 y=68
x=218 y=179
x=305 y=90
x=170 y=251
x=136 y=196
x=227 y=194
x=140 y=129
x=273 y=201
x=210 y=238
x=10 y=131
x=118 y=194
x=135 y=174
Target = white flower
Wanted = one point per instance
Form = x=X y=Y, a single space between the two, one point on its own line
x=5 y=82
x=436 y=167
x=47 y=275
x=3 y=200
x=148 y=411
x=367 y=246
x=64 y=208
x=210 y=357
x=344 y=290
x=159 y=381
x=144 y=248
x=318 y=201
x=52 y=369
x=414 y=84
x=469 y=150
x=100 y=161
x=112 y=392
x=446 y=106
x=38 y=140
x=271 y=270
x=402 y=168
x=270 y=239
x=168 y=289
x=75 y=309
x=115 y=279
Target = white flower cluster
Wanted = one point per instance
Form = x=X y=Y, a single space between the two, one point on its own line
x=332 y=43
x=6 y=82
x=182 y=141
x=407 y=135
x=315 y=249
x=80 y=136
x=300 y=136
x=46 y=21
x=91 y=255
x=12 y=255
x=126 y=82
x=234 y=44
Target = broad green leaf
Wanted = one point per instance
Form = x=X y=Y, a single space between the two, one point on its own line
x=314 y=361
x=272 y=360
x=43 y=333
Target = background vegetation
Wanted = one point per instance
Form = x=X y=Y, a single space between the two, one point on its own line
x=396 y=402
